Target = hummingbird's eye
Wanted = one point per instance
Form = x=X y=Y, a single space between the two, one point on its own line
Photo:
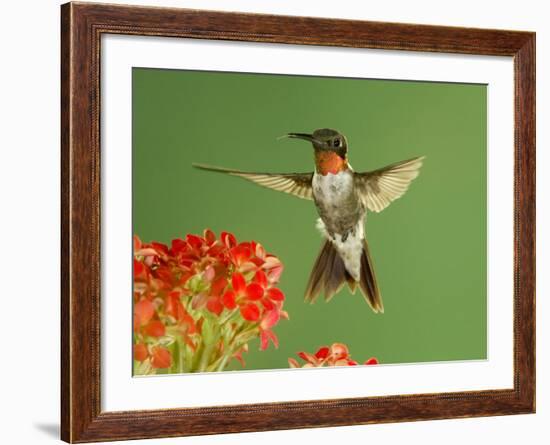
x=336 y=143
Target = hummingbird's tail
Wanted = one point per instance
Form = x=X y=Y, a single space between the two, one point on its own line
x=329 y=274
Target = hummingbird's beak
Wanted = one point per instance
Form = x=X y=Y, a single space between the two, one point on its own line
x=305 y=136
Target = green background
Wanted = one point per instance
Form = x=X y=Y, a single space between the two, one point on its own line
x=428 y=247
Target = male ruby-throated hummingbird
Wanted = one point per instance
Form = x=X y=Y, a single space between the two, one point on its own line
x=342 y=197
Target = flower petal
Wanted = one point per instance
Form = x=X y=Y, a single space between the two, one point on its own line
x=264 y=341
x=139 y=269
x=214 y=305
x=260 y=251
x=247 y=266
x=339 y=351
x=140 y=352
x=270 y=319
x=308 y=357
x=155 y=328
x=209 y=274
x=228 y=239
x=146 y=251
x=228 y=300
x=372 y=361
x=239 y=283
x=275 y=274
x=254 y=291
x=268 y=304
x=271 y=262
x=274 y=339
x=209 y=236
x=189 y=323
x=240 y=254
x=250 y=312
x=218 y=286
x=179 y=246
x=160 y=248
x=143 y=311
x=195 y=241
x=174 y=307
x=322 y=353
x=275 y=294
x=161 y=357
x=261 y=278
x=293 y=363
x=239 y=354
x=265 y=336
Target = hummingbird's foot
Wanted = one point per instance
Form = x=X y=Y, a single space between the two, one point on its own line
x=345 y=235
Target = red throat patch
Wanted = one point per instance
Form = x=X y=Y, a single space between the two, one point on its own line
x=329 y=162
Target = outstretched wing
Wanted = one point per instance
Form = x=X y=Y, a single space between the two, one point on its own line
x=380 y=187
x=297 y=184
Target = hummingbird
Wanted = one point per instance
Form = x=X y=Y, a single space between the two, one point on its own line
x=342 y=198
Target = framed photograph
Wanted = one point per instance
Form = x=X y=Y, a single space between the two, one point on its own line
x=274 y=222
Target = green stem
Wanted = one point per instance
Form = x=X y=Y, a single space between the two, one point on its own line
x=189 y=357
x=228 y=317
x=205 y=357
x=181 y=355
x=221 y=366
x=234 y=346
x=195 y=358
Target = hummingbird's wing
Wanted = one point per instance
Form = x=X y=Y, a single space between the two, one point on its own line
x=297 y=184
x=380 y=187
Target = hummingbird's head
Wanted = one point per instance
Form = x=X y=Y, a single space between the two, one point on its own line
x=331 y=149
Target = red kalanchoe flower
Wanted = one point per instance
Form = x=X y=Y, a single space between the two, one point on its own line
x=187 y=292
x=335 y=355
x=249 y=297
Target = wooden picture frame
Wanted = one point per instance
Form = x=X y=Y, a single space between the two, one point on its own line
x=82 y=25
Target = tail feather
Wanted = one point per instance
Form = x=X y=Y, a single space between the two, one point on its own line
x=334 y=273
x=329 y=274
x=316 y=279
x=367 y=282
x=352 y=284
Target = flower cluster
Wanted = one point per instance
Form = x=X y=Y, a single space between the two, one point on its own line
x=200 y=301
x=335 y=355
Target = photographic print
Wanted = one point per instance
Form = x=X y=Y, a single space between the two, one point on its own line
x=284 y=221
x=277 y=222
